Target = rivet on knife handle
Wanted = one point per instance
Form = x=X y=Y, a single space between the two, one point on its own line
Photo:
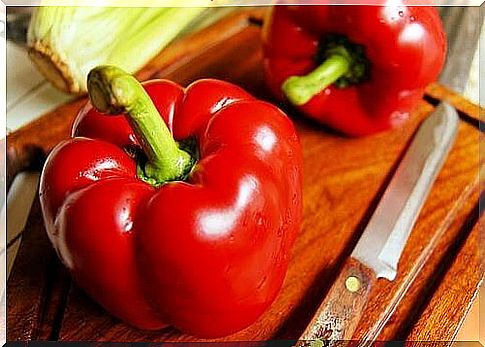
x=342 y=307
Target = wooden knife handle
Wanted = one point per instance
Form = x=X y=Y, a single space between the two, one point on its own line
x=337 y=317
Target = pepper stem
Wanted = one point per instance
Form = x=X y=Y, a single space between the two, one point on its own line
x=114 y=91
x=300 y=89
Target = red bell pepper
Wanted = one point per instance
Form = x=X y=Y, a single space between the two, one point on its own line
x=356 y=69
x=181 y=207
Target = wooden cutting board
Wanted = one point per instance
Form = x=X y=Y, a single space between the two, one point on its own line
x=344 y=178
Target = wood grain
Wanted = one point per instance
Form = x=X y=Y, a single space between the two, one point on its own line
x=342 y=308
x=466 y=268
x=343 y=181
x=469 y=111
x=31 y=278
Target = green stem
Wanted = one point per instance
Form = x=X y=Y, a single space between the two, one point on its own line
x=300 y=89
x=114 y=91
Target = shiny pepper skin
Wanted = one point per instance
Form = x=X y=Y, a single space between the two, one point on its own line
x=208 y=254
x=404 y=46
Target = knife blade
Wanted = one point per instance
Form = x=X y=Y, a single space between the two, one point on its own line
x=380 y=247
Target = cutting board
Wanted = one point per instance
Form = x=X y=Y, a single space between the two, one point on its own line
x=344 y=178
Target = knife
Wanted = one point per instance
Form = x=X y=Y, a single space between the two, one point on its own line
x=379 y=249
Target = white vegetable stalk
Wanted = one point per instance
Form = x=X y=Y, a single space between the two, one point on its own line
x=67 y=42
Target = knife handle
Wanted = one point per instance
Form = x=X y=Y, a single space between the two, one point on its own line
x=339 y=314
